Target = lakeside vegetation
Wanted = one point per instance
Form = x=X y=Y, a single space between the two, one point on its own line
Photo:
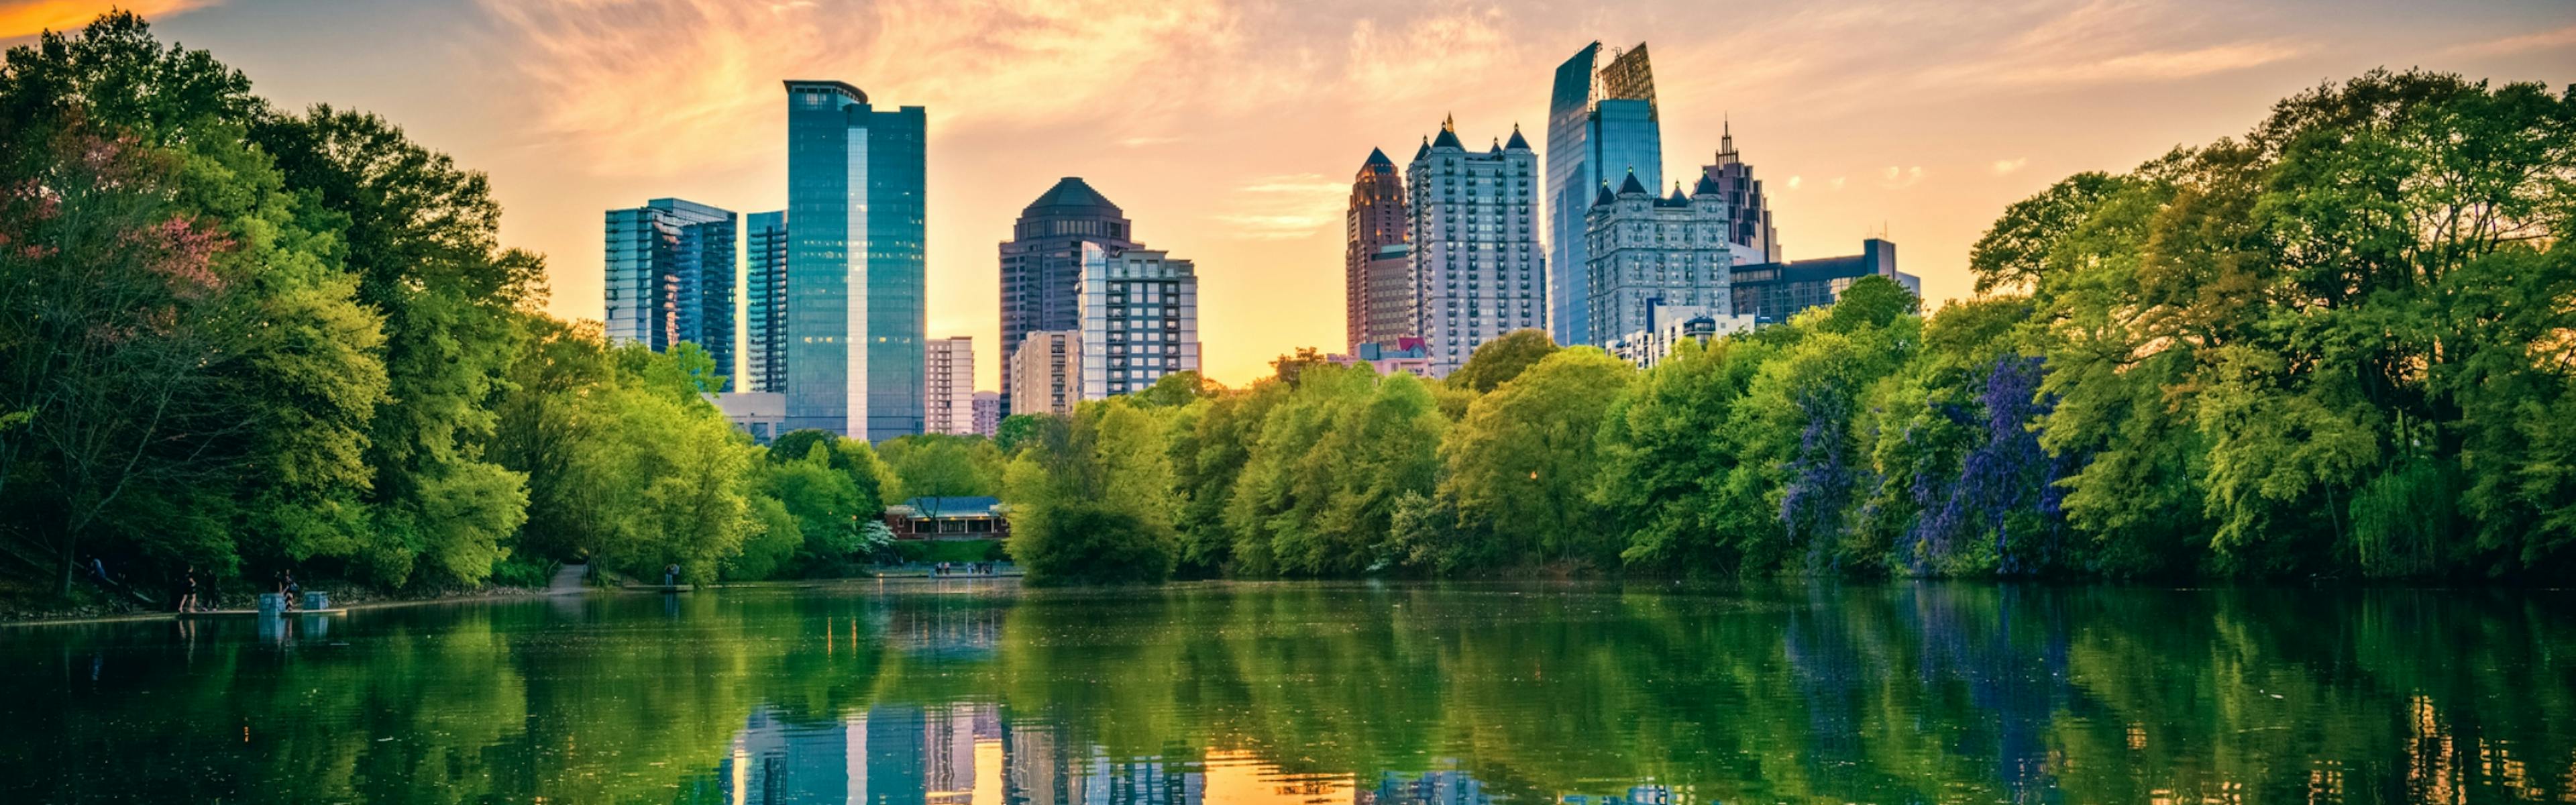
x=239 y=338
x=2342 y=346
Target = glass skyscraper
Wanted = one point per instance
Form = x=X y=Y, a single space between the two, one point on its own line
x=854 y=300
x=1602 y=125
x=670 y=277
x=764 y=336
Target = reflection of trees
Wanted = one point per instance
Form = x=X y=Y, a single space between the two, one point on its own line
x=1518 y=693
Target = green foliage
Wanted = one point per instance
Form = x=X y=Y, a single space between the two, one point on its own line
x=942 y=465
x=1521 y=465
x=1497 y=361
x=1090 y=543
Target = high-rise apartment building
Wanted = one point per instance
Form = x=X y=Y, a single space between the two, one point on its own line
x=1647 y=251
x=987 y=412
x=1140 y=319
x=1478 y=268
x=670 y=277
x=1602 y=124
x=764 y=332
x=854 y=301
x=949 y=394
x=1749 y=212
x=1046 y=373
x=1376 y=256
x=1042 y=262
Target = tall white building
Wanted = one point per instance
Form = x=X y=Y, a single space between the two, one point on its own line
x=948 y=393
x=1479 y=267
x=1046 y=372
x=1140 y=319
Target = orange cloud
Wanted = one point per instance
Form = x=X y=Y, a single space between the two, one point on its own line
x=30 y=17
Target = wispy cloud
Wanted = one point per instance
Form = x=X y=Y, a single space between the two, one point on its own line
x=1795 y=181
x=1896 y=178
x=2003 y=167
x=709 y=70
x=1285 y=206
x=2544 y=40
x=30 y=17
x=1835 y=184
x=1142 y=141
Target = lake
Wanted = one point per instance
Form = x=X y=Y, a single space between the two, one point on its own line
x=975 y=691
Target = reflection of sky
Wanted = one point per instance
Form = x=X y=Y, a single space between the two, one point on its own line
x=1230 y=128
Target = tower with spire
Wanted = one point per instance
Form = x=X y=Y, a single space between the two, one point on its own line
x=1478 y=268
x=1750 y=213
x=1602 y=120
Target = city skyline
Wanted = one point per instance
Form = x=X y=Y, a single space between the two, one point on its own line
x=1988 y=105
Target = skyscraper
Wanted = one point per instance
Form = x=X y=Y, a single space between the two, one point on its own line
x=1478 y=269
x=1140 y=319
x=854 y=300
x=1602 y=124
x=764 y=332
x=1042 y=262
x=1375 y=261
x=670 y=277
x=1650 y=252
x=949 y=370
x=1750 y=212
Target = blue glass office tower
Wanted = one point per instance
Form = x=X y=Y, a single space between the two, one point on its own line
x=854 y=302
x=764 y=330
x=670 y=277
x=1601 y=126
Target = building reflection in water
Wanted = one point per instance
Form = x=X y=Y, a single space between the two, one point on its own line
x=971 y=754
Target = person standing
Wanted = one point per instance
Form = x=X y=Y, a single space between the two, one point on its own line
x=188 y=590
x=671 y=575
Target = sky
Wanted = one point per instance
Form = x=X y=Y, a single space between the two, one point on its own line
x=1229 y=130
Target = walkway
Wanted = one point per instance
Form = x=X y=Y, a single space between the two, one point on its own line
x=568 y=580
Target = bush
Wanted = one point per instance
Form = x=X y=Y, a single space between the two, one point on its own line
x=1089 y=543
x=958 y=550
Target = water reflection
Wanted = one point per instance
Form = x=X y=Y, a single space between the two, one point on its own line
x=1314 y=693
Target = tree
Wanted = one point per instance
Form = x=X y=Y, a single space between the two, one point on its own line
x=1521 y=464
x=1498 y=361
x=943 y=465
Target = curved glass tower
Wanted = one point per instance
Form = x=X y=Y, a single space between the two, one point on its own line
x=854 y=303
x=1602 y=125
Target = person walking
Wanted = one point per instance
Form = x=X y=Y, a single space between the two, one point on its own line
x=187 y=592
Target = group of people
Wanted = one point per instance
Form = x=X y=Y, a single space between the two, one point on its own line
x=190 y=595
x=962 y=569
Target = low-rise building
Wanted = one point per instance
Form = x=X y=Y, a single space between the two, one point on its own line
x=1408 y=355
x=1668 y=326
x=949 y=518
x=1774 y=292
x=759 y=413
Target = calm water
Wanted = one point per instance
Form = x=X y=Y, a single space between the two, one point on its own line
x=977 y=692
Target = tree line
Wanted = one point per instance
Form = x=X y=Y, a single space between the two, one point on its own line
x=2341 y=346
x=236 y=338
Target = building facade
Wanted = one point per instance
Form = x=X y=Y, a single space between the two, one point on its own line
x=1406 y=355
x=1667 y=326
x=1042 y=262
x=764 y=332
x=1376 y=255
x=1647 y=251
x=1773 y=292
x=1602 y=123
x=1046 y=373
x=1140 y=319
x=854 y=301
x=948 y=394
x=670 y=277
x=1478 y=268
x=1749 y=212
x=987 y=412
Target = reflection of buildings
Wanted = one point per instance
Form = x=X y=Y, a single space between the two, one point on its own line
x=954 y=755
x=1430 y=788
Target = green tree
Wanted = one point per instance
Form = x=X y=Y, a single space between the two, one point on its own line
x=1498 y=361
x=1521 y=465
